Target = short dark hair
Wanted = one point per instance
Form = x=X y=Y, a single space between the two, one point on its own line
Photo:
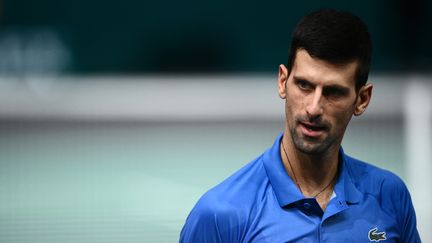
x=334 y=36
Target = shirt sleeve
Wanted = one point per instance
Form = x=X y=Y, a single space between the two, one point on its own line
x=211 y=222
x=395 y=195
x=409 y=222
x=200 y=226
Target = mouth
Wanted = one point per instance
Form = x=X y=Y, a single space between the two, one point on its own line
x=313 y=130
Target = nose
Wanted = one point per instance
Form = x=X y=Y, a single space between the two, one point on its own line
x=314 y=108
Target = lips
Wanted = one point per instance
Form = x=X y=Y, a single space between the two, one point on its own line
x=312 y=130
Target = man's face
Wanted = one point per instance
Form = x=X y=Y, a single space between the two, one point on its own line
x=320 y=101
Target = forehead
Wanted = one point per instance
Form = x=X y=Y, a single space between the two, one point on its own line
x=322 y=72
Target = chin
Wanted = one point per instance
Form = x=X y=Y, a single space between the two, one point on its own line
x=311 y=147
x=312 y=150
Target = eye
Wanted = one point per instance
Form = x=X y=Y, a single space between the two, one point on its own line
x=334 y=92
x=304 y=85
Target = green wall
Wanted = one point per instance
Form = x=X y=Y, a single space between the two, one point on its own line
x=208 y=36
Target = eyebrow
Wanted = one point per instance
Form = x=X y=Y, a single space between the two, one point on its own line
x=338 y=87
x=331 y=86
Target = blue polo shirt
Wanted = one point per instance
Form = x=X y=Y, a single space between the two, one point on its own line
x=260 y=203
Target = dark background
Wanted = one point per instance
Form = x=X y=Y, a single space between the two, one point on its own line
x=135 y=37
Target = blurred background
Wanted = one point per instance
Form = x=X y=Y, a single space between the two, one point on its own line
x=115 y=117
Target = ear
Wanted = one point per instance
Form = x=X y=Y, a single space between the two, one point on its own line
x=282 y=79
x=363 y=99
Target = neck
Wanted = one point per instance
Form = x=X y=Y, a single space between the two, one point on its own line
x=312 y=173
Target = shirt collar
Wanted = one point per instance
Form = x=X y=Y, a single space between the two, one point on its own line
x=285 y=189
x=345 y=188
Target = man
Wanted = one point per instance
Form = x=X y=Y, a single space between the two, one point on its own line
x=304 y=188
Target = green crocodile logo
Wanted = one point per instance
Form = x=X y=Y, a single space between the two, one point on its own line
x=376 y=236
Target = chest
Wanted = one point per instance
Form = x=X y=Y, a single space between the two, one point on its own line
x=364 y=222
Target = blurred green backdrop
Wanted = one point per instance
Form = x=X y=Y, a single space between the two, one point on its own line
x=107 y=36
x=84 y=178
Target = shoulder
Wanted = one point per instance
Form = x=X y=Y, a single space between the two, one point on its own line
x=226 y=209
x=388 y=189
x=237 y=192
x=374 y=180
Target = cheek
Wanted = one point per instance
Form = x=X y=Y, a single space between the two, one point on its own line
x=295 y=100
x=339 y=113
x=293 y=107
x=342 y=117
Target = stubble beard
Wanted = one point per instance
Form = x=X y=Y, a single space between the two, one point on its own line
x=307 y=145
x=310 y=145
